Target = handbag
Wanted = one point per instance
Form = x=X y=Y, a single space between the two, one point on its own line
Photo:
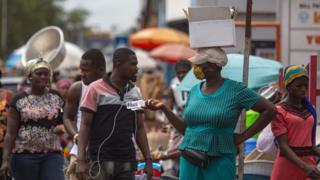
x=197 y=158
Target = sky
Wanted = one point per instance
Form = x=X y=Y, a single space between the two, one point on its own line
x=106 y=13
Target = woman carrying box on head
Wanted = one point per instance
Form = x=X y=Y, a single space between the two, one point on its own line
x=209 y=146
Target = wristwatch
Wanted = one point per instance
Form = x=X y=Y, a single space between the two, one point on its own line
x=75 y=138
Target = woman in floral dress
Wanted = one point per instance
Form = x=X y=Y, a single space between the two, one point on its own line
x=32 y=149
x=294 y=128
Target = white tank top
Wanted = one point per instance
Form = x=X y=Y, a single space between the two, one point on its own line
x=74 y=149
x=180 y=97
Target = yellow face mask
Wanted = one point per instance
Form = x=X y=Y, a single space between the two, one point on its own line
x=197 y=71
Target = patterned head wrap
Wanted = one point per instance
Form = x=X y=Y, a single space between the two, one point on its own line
x=34 y=64
x=293 y=72
x=213 y=55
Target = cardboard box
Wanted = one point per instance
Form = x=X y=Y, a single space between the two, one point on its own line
x=211 y=27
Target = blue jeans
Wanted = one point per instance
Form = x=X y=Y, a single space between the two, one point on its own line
x=47 y=166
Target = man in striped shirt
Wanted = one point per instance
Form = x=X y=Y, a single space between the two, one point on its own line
x=109 y=126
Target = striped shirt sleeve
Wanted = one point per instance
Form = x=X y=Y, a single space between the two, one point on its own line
x=247 y=97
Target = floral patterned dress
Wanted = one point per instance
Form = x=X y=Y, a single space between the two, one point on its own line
x=39 y=115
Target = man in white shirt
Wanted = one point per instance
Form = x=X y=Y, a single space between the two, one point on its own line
x=93 y=67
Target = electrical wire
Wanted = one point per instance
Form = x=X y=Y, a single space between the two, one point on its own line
x=91 y=175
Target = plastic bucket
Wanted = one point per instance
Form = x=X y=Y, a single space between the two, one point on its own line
x=250 y=145
x=156 y=169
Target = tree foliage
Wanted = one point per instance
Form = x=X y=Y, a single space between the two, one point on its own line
x=76 y=17
x=75 y=23
x=25 y=17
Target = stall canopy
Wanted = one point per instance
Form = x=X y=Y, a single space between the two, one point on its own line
x=261 y=72
x=150 y=38
x=172 y=53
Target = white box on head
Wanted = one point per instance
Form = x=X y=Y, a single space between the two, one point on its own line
x=211 y=27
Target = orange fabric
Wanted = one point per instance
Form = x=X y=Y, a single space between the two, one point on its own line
x=153 y=37
x=285 y=169
x=5 y=98
x=297 y=129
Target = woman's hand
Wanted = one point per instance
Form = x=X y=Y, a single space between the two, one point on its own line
x=154 y=104
x=5 y=169
x=59 y=129
x=311 y=171
x=237 y=139
x=175 y=120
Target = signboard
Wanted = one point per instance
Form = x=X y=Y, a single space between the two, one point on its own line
x=305 y=13
x=301 y=57
x=265 y=52
x=300 y=35
x=120 y=41
x=305 y=39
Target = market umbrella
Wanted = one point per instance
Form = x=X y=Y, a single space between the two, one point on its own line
x=172 y=52
x=150 y=38
x=261 y=72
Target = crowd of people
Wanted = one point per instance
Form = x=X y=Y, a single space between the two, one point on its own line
x=101 y=119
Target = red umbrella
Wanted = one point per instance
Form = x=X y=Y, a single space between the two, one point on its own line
x=172 y=52
x=150 y=38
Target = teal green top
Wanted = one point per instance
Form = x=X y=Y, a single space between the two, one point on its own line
x=212 y=118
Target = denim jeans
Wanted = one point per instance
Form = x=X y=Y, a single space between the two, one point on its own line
x=114 y=170
x=27 y=166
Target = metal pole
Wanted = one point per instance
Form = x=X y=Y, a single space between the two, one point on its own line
x=4 y=29
x=161 y=13
x=312 y=92
x=147 y=14
x=245 y=72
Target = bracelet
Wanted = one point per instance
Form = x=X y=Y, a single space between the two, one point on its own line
x=75 y=138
